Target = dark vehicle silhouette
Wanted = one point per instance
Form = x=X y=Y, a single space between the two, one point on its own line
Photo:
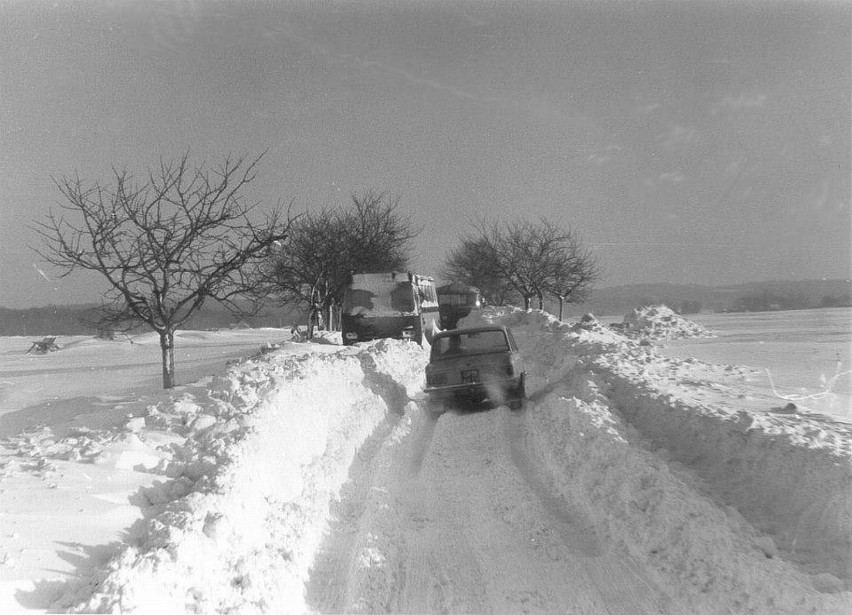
x=393 y=305
x=475 y=364
x=455 y=301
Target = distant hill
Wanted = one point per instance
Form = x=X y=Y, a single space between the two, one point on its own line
x=80 y=320
x=692 y=298
x=49 y=320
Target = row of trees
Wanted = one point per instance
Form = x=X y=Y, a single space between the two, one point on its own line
x=524 y=260
x=180 y=236
x=323 y=248
x=766 y=300
x=165 y=244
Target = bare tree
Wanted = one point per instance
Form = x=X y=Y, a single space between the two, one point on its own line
x=528 y=259
x=525 y=255
x=325 y=247
x=378 y=237
x=165 y=244
x=576 y=270
x=474 y=263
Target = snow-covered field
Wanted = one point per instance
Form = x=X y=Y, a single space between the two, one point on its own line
x=802 y=357
x=310 y=477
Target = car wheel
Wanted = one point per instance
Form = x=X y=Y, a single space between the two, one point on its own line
x=519 y=395
x=436 y=407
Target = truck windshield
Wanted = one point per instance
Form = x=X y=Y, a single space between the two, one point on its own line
x=461 y=299
x=379 y=298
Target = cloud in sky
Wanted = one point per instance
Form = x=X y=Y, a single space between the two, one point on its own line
x=678 y=136
x=539 y=107
x=599 y=113
x=743 y=102
x=610 y=153
x=674 y=177
x=645 y=109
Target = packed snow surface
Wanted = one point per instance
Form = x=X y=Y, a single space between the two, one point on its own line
x=312 y=477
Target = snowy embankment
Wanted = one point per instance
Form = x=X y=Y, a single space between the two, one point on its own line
x=684 y=484
x=237 y=523
x=729 y=510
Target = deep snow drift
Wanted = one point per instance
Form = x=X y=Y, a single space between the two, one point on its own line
x=658 y=322
x=731 y=510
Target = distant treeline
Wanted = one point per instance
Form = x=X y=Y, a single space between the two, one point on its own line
x=50 y=320
x=617 y=300
x=692 y=299
x=83 y=319
x=768 y=301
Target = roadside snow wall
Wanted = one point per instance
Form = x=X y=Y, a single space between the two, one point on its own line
x=790 y=477
x=236 y=526
x=636 y=459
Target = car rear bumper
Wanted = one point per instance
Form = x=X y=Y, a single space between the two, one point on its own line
x=478 y=389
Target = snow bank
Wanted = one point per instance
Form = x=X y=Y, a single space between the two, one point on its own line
x=235 y=526
x=658 y=322
x=624 y=440
x=732 y=510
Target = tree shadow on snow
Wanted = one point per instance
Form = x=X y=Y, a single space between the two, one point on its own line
x=58 y=595
x=55 y=413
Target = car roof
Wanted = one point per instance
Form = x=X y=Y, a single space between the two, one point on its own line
x=479 y=329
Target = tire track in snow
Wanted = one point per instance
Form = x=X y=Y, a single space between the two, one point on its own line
x=577 y=529
x=454 y=515
x=393 y=549
x=479 y=531
x=326 y=590
x=619 y=580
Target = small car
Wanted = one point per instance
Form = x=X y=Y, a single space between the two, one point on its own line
x=475 y=364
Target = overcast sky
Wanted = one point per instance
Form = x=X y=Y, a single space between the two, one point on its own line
x=685 y=142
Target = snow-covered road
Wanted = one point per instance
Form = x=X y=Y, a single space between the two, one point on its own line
x=311 y=478
x=452 y=515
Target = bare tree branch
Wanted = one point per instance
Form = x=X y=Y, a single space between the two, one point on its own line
x=165 y=245
x=523 y=259
x=324 y=248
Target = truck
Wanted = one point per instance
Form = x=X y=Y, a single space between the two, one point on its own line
x=398 y=305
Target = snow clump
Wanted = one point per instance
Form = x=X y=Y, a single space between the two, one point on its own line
x=657 y=323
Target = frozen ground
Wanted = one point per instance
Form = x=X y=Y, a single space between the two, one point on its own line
x=68 y=461
x=802 y=357
x=309 y=478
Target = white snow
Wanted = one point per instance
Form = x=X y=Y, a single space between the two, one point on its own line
x=214 y=496
x=659 y=322
x=801 y=357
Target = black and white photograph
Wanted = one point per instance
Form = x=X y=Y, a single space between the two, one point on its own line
x=426 y=306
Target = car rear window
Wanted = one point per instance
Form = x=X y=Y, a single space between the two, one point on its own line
x=466 y=343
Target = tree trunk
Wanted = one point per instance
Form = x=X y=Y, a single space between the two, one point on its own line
x=540 y=301
x=331 y=323
x=315 y=320
x=561 y=301
x=167 y=345
x=527 y=302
